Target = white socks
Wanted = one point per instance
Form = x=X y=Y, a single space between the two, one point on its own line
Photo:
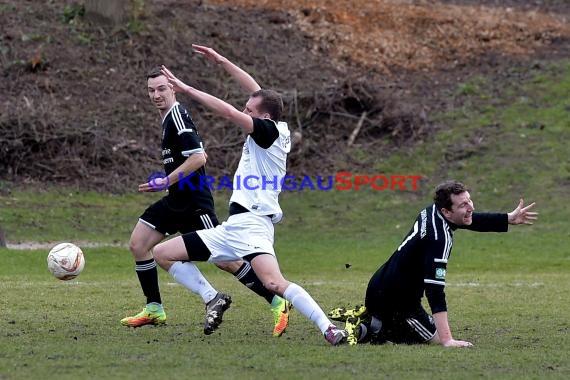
x=307 y=306
x=188 y=275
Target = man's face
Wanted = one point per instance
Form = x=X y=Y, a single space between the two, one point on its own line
x=461 y=209
x=161 y=93
x=252 y=108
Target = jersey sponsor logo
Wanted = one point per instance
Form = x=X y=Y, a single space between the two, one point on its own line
x=440 y=273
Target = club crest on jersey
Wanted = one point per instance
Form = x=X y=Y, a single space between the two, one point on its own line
x=440 y=273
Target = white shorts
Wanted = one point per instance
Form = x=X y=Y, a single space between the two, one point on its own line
x=241 y=235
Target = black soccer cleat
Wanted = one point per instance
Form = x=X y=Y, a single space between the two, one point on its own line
x=215 y=311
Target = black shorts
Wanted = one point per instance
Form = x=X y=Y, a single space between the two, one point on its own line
x=409 y=327
x=170 y=215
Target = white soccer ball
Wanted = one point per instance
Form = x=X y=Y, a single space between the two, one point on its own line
x=65 y=261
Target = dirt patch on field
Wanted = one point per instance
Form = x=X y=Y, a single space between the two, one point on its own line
x=416 y=35
x=355 y=75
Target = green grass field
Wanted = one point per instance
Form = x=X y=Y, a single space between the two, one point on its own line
x=507 y=293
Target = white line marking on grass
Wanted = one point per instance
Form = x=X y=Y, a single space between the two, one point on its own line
x=335 y=283
x=470 y=284
x=30 y=245
x=497 y=285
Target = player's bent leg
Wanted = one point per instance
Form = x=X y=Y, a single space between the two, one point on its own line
x=143 y=238
x=246 y=275
x=267 y=269
x=230 y=266
x=170 y=251
x=415 y=327
x=187 y=274
x=193 y=247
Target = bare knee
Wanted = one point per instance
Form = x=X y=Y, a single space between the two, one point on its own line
x=170 y=251
x=138 y=249
x=276 y=286
x=159 y=254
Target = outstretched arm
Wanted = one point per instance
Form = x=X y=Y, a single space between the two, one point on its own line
x=243 y=78
x=218 y=106
x=522 y=215
x=499 y=222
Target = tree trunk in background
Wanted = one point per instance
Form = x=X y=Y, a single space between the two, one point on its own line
x=114 y=11
x=2 y=238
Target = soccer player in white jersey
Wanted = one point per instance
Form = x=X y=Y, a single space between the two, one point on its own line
x=248 y=233
x=186 y=207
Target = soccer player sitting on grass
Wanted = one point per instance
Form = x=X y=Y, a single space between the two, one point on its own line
x=392 y=311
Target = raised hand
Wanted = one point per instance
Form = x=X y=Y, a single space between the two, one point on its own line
x=176 y=83
x=245 y=80
x=208 y=53
x=522 y=215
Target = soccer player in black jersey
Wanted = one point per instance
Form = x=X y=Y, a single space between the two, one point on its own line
x=187 y=207
x=393 y=310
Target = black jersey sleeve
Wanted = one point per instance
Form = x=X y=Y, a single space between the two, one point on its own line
x=488 y=222
x=189 y=139
x=438 y=241
x=436 y=299
x=264 y=133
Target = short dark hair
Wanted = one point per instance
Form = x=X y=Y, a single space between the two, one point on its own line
x=154 y=72
x=271 y=103
x=443 y=191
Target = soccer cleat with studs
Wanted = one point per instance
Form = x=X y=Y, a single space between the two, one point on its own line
x=215 y=311
x=353 y=330
x=342 y=313
x=335 y=336
x=152 y=314
x=280 y=308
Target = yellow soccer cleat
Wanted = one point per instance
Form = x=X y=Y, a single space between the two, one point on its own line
x=342 y=313
x=352 y=327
